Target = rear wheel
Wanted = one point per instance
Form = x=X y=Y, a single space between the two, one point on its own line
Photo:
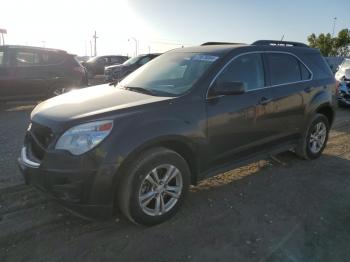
x=315 y=138
x=154 y=187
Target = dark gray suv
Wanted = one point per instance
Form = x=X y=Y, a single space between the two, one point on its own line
x=28 y=72
x=186 y=115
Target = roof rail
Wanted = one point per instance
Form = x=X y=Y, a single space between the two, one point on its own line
x=279 y=43
x=219 y=43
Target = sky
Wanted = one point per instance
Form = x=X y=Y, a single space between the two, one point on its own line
x=161 y=25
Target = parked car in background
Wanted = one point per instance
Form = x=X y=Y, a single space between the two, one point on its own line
x=189 y=114
x=118 y=72
x=82 y=59
x=36 y=73
x=97 y=64
x=344 y=89
x=340 y=74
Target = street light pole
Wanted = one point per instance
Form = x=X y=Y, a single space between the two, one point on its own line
x=334 y=21
x=95 y=38
x=136 y=44
x=2 y=32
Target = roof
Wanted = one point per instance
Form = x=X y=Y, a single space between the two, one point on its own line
x=223 y=48
x=33 y=47
x=211 y=49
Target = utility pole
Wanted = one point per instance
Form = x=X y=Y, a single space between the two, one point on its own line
x=149 y=49
x=334 y=21
x=95 y=39
x=136 y=44
x=3 y=32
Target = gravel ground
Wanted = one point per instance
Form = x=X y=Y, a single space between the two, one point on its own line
x=285 y=210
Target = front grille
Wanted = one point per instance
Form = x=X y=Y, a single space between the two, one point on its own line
x=43 y=134
x=39 y=139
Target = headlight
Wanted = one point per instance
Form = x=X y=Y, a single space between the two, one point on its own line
x=82 y=138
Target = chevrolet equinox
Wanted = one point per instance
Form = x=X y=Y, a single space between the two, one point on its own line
x=188 y=114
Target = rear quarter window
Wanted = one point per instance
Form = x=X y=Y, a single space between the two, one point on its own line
x=318 y=66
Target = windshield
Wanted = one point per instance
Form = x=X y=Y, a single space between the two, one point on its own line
x=132 y=61
x=172 y=73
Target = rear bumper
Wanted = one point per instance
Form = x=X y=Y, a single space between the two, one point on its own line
x=86 y=191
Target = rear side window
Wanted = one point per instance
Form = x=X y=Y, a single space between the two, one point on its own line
x=27 y=58
x=283 y=69
x=52 y=58
x=115 y=59
x=247 y=69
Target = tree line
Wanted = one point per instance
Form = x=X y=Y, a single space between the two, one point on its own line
x=331 y=46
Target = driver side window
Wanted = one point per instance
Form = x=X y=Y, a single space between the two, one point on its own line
x=247 y=69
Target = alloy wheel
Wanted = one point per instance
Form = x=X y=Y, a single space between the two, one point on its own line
x=160 y=190
x=318 y=137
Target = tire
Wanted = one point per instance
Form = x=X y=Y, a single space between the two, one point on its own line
x=306 y=149
x=136 y=184
x=56 y=89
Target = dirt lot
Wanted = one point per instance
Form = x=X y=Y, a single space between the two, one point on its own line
x=289 y=210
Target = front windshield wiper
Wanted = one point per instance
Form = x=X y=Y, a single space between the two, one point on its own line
x=139 y=90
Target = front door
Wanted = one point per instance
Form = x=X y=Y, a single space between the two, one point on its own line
x=236 y=123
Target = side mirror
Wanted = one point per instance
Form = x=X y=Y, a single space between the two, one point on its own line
x=347 y=73
x=228 y=88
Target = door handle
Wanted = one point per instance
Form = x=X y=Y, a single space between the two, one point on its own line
x=265 y=101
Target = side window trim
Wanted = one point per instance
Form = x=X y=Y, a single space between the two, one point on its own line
x=266 y=70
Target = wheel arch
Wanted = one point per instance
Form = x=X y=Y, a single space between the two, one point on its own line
x=180 y=145
x=327 y=111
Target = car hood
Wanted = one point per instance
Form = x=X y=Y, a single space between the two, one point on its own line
x=88 y=102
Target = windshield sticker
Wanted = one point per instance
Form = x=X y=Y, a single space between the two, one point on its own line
x=208 y=58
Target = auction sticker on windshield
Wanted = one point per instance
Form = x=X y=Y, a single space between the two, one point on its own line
x=208 y=58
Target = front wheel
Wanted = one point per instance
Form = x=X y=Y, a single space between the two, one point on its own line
x=315 y=138
x=154 y=186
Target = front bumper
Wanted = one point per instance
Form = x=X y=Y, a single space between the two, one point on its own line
x=87 y=191
x=344 y=93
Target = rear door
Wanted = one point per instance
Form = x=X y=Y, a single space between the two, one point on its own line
x=30 y=74
x=237 y=123
x=290 y=81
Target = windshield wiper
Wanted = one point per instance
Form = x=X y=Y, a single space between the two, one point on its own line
x=139 y=89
